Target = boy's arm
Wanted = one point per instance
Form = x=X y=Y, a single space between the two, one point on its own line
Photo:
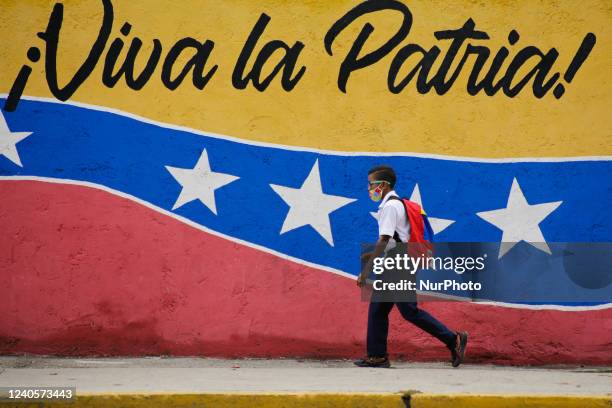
x=381 y=244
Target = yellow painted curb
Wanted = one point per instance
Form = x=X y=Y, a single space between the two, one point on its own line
x=290 y=400
x=508 y=401
x=227 y=400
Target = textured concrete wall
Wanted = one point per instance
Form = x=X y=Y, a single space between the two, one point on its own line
x=98 y=254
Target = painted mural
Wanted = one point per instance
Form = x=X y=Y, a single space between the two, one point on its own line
x=190 y=179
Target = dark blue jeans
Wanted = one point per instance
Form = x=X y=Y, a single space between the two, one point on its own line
x=378 y=325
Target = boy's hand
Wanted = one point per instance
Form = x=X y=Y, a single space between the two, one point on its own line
x=361 y=280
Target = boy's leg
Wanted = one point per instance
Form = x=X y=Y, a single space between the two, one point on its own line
x=378 y=328
x=427 y=322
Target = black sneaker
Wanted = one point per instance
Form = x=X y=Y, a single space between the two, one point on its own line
x=382 y=362
x=458 y=352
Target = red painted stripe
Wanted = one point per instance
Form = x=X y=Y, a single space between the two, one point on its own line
x=85 y=272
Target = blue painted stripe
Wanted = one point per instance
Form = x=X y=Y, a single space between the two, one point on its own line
x=130 y=156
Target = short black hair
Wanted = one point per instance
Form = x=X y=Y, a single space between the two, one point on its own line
x=385 y=173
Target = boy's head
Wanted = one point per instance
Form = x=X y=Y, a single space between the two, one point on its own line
x=381 y=180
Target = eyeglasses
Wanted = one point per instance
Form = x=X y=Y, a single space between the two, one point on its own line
x=372 y=184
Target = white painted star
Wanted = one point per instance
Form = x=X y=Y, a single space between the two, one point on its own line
x=520 y=221
x=308 y=205
x=9 y=140
x=437 y=224
x=199 y=183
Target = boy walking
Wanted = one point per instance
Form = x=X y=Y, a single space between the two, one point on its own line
x=393 y=222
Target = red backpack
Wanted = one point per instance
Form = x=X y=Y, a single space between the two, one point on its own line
x=421 y=232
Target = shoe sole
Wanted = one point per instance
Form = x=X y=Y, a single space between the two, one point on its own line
x=387 y=365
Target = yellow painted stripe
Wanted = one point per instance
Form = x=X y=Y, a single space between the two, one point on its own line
x=316 y=114
x=228 y=401
x=508 y=401
x=339 y=400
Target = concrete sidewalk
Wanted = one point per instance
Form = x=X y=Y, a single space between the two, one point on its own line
x=193 y=376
